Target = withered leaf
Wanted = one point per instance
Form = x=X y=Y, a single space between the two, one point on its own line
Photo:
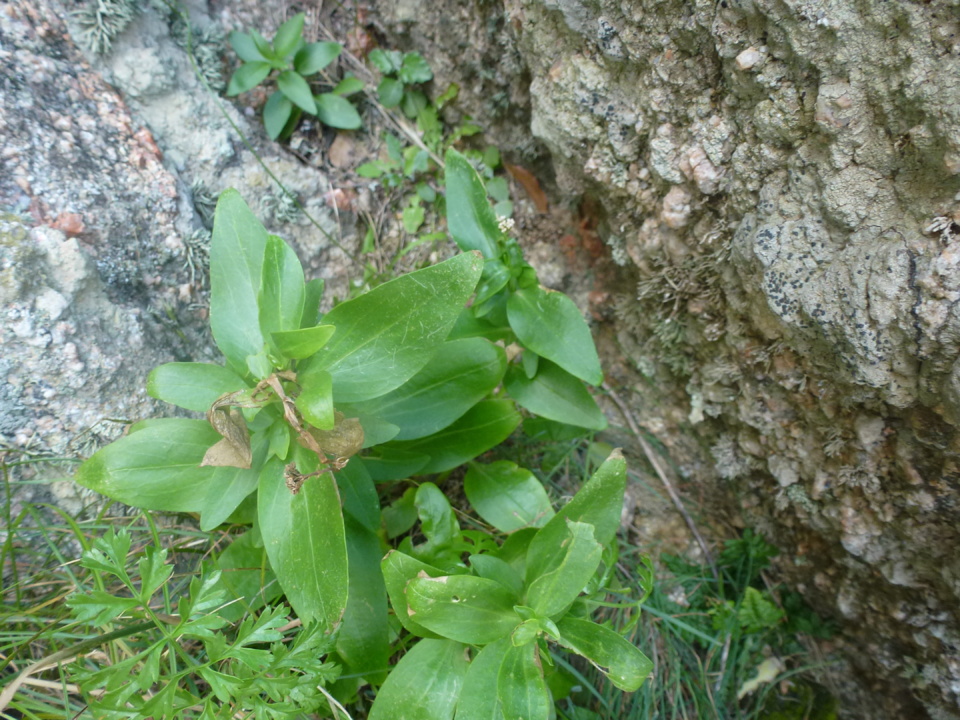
x=345 y=440
x=530 y=184
x=234 y=449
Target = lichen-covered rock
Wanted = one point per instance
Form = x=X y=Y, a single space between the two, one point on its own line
x=784 y=178
x=90 y=281
x=106 y=198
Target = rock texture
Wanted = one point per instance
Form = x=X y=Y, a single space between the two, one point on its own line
x=782 y=178
x=109 y=169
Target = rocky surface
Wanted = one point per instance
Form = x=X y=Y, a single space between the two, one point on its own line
x=778 y=179
x=110 y=168
x=782 y=178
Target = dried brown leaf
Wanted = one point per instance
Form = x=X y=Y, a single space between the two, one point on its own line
x=530 y=184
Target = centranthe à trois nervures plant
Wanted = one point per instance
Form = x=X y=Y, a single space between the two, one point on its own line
x=309 y=415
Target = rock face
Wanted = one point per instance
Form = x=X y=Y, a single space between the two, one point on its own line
x=782 y=178
x=779 y=179
x=103 y=233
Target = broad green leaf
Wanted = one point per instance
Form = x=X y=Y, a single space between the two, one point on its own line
x=375 y=430
x=348 y=86
x=337 y=112
x=390 y=92
x=315 y=401
x=288 y=35
x=315 y=57
x=265 y=48
x=394 y=464
x=281 y=288
x=276 y=114
x=469 y=217
x=413 y=103
x=305 y=541
x=398 y=569
x=246 y=575
x=386 y=61
x=514 y=548
x=495 y=277
x=465 y=608
x=245 y=48
x=437 y=519
x=551 y=325
x=312 y=294
x=412 y=218
x=459 y=375
x=155 y=468
x=553 y=591
x=400 y=515
x=556 y=395
x=248 y=76
x=387 y=335
x=360 y=499
x=543 y=430
x=531 y=362
x=520 y=685
x=297 y=90
x=507 y=496
x=485 y=425
x=193 y=386
x=424 y=685
x=612 y=655
x=468 y=325
x=598 y=503
x=362 y=641
x=478 y=697
x=229 y=486
x=414 y=69
x=303 y=342
x=493 y=568
x=236 y=264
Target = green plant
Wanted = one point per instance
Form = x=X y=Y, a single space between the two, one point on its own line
x=311 y=411
x=263 y=665
x=294 y=61
x=401 y=71
x=724 y=645
x=488 y=624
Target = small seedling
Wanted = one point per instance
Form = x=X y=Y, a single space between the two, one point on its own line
x=401 y=71
x=293 y=61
